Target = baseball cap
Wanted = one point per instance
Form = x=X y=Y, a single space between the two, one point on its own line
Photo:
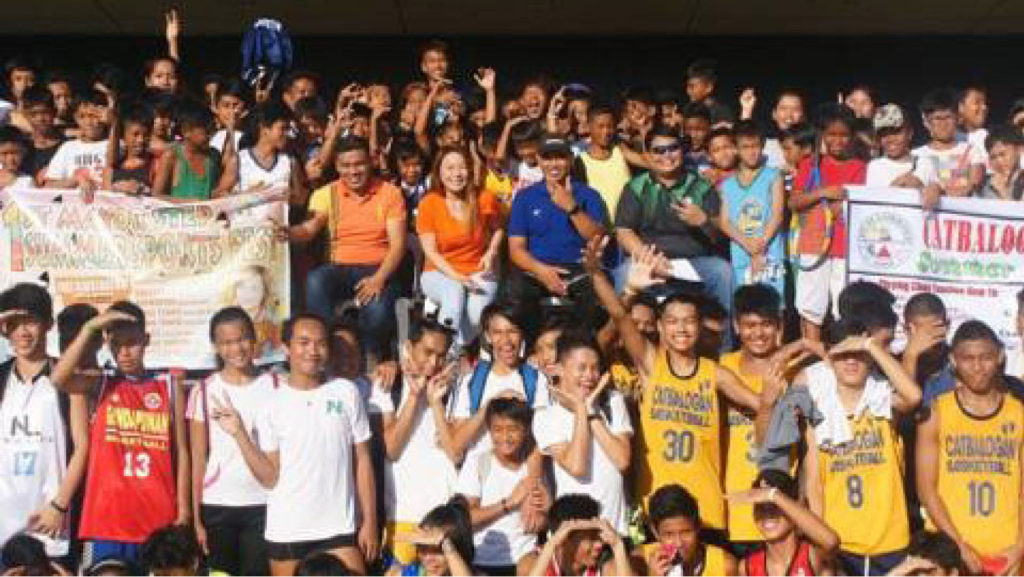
x=889 y=117
x=552 y=145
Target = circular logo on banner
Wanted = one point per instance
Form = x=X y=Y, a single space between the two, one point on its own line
x=152 y=401
x=884 y=240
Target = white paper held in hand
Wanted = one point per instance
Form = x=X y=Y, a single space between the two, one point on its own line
x=683 y=270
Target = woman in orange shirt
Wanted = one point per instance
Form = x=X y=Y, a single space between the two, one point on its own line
x=460 y=230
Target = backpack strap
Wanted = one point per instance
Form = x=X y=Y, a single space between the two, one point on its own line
x=5 y=373
x=396 y=391
x=529 y=374
x=476 y=385
x=204 y=390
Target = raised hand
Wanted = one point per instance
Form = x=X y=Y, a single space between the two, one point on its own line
x=485 y=78
x=851 y=344
x=594 y=395
x=594 y=252
x=226 y=415
x=642 y=270
x=172 y=25
x=107 y=318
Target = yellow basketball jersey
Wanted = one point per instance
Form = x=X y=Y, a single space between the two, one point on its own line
x=862 y=485
x=741 y=457
x=714 y=558
x=979 y=471
x=680 y=436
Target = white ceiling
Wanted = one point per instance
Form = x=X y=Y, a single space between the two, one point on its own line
x=524 y=17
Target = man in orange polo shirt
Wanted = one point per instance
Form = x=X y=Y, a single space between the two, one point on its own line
x=365 y=221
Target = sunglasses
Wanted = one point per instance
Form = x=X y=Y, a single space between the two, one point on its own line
x=666 y=149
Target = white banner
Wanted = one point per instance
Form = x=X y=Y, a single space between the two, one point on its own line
x=970 y=252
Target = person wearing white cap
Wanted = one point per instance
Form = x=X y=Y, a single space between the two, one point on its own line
x=896 y=166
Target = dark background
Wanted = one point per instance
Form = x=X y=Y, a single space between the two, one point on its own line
x=901 y=69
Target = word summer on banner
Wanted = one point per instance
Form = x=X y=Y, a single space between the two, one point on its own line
x=969 y=251
x=179 y=262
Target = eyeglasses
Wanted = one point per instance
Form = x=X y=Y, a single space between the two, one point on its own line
x=666 y=149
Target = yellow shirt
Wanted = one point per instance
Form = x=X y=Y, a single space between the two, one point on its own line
x=979 y=471
x=608 y=177
x=862 y=484
x=714 y=558
x=501 y=185
x=741 y=458
x=680 y=440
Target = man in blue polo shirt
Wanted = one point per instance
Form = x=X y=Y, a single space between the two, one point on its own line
x=549 y=225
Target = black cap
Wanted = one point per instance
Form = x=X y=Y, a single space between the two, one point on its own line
x=552 y=145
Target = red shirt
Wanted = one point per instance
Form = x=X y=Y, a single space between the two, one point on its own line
x=832 y=173
x=130 y=487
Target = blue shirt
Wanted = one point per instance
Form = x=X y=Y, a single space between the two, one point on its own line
x=944 y=381
x=550 y=235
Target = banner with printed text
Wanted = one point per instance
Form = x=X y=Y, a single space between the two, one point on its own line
x=970 y=252
x=179 y=262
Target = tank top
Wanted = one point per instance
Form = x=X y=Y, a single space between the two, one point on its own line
x=680 y=439
x=979 y=471
x=130 y=487
x=190 y=184
x=756 y=563
x=252 y=174
x=862 y=484
x=608 y=177
x=741 y=458
x=750 y=211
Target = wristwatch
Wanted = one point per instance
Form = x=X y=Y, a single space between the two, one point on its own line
x=575 y=209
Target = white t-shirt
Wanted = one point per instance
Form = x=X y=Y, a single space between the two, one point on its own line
x=883 y=170
x=218 y=138
x=229 y=482
x=409 y=493
x=495 y=385
x=504 y=541
x=252 y=174
x=773 y=154
x=33 y=456
x=6 y=108
x=75 y=157
x=314 y=432
x=554 y=425
x=942 y=166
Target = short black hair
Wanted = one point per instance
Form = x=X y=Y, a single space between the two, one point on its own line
x=802 y=134
x=938 y=548
x=571 y=340
x=509 y=408
x=29 y=297
x=748 y=129
x=352 y=143
x=509 y=310
x=136 y=113
x=150 y=64
x=703 y=68
x=780 y=480
x=842 y=329
x=638 y=94
x=830 y=113
x=433 y=45
x=490 y=134
x=421 y=327
x=10 y=134
x=684 y=298
x=321 y=563
x=297 y=75
x=661 y=131
x=109 y=76
x=697 y=110
x=17 y=63
x=670 y=501
x=70 y=321
x=171 y=547
x=269 y=113
x=37 y=95
x=876 y=315
x=233 y=314
x=1003 y=134
x=924 y=304
x=939 y=99
x=757 y=299
x=25 y=551
x=571 y=507
x=233 y=87
x=975 y=330
x=191 y=114
x=87 y=97
x=453 y=518
x=860 y=293
x=596 y=110
x=311 y=106
x=721 y=131
x=129 y=308
x=288 y=328
x=530 y=131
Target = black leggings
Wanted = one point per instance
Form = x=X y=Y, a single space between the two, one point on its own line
x=235 y=539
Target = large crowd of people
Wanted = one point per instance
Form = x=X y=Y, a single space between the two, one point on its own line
x=536 y=331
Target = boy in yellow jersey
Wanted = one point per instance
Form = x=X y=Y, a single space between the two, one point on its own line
x=758 y=325
x=680 y=410
x=679 y=550
x=969 y=457
x=853 y=469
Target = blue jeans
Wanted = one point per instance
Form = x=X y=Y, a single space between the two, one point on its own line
x=460 y=308
x=716 y=282
x=332 y=284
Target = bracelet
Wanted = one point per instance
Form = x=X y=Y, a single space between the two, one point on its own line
x=772 y=493
x=58 y=508
x=504 y=505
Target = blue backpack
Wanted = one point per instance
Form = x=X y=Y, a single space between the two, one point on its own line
x=266 y=52
x=479 y=379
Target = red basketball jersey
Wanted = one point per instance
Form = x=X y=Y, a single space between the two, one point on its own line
x=130 y=487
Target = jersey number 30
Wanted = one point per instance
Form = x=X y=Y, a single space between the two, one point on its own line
x=678 y=446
